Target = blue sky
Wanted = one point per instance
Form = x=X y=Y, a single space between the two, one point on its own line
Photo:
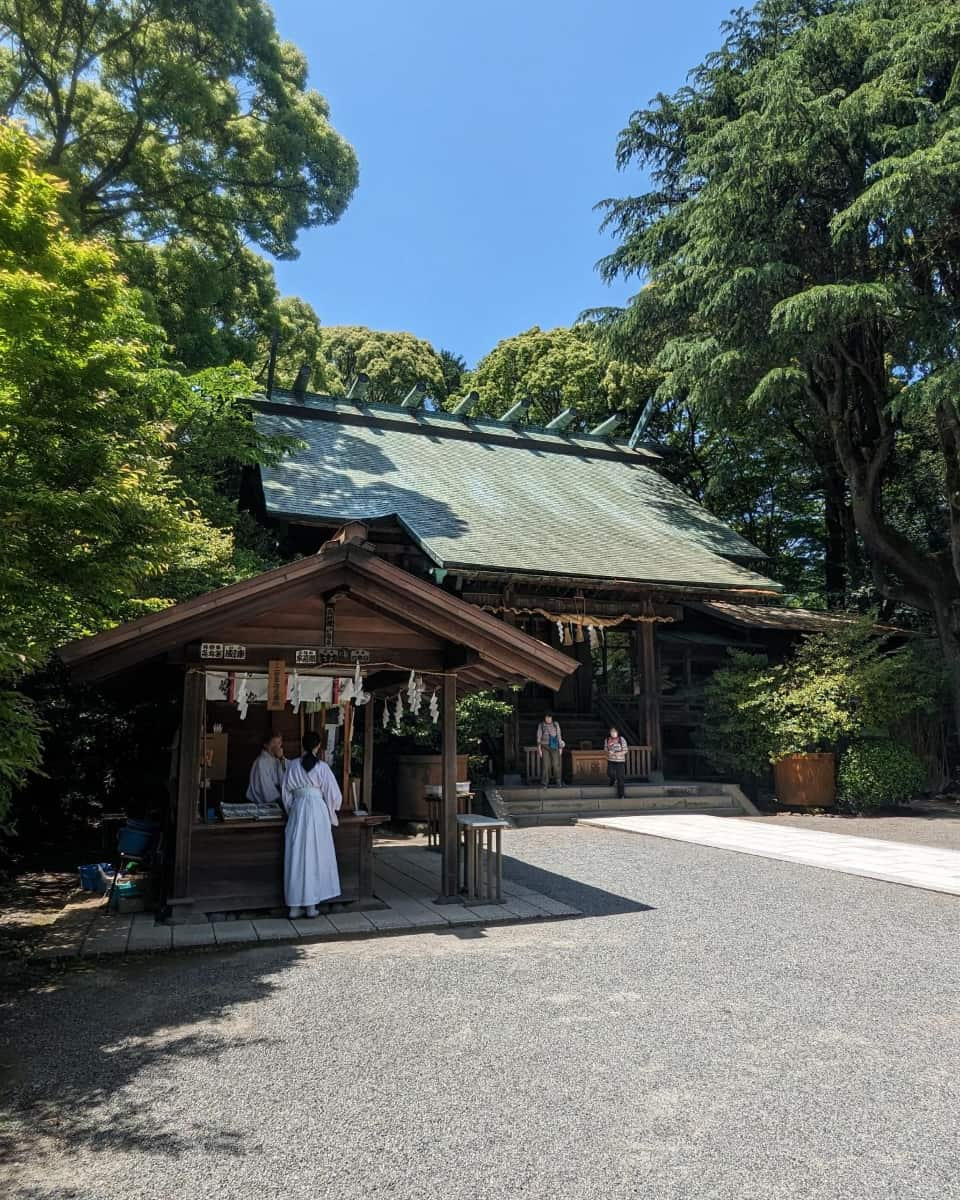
x=486 y=134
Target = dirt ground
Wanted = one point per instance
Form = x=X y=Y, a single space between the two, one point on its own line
x=939 y=828
x=29 y=903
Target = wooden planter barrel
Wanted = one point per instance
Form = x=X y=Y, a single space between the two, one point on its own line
x=413 y=773
x=805 y=780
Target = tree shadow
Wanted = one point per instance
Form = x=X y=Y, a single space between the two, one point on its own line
x=591 y=901
x=313 y=483
x=84 y=1050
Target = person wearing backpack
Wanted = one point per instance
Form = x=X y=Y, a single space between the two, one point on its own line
x=550 y=749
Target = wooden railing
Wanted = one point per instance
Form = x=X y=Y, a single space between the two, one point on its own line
x=639 y=760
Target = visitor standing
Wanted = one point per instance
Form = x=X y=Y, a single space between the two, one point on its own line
x=616 y=748
x=550 y=749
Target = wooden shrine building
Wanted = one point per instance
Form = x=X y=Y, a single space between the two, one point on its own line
x=307 y=645
x=573 y=538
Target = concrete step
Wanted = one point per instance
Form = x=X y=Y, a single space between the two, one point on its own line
x=563 y=805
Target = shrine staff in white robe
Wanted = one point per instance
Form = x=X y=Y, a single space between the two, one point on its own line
x=312 y=800
x=266 y=774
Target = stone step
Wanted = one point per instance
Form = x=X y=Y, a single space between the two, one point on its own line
x=551 y=806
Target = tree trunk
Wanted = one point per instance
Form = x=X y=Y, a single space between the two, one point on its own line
x=835 y=553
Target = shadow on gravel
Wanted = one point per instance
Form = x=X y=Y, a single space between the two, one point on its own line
x=592 y=901
x=83 y=1052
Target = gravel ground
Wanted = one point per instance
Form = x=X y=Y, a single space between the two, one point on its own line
x=921 y=830
x=720 y=1026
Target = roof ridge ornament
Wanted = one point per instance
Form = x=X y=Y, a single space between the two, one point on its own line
x=608 y=427
x=562 y=420
x=515 y=414
x=464 y=407
x=416 y=396
x=357 y=390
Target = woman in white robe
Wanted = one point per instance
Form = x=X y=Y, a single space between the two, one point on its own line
x=312 y=799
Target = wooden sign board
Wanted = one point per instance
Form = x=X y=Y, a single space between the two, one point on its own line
x=276 y=685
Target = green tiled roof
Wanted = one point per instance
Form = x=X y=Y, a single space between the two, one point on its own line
x=485 y=495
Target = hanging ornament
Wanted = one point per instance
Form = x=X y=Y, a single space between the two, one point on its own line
x=398 y=713
x=592 y=637
x=562 y=632
x=386 y=713
x=434 y=707
x=411 y=691
x=417 y=698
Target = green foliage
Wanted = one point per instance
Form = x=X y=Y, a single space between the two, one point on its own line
x=836 y=686
x=480 y=719
x=85 y=491
x=176 y=117
x=556 y=369
x=740 y=715
x=393 y=362
x=878 y=774
x=20 y=733
x=118 y=475
x=802 y=268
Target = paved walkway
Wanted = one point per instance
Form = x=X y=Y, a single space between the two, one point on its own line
x=895 y=862
x=407 y=880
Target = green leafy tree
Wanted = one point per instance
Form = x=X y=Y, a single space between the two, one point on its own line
x=802 y=238
x=455 y=373
x=837 y=686
x=91 y=510
x=555 y=369
x=215 y=309
x=175 y=117
x=393 y=362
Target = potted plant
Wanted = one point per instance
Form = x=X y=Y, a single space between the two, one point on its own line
x=796 y=715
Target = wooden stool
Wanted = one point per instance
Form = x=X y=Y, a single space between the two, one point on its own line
x=434 y=802
x=480 y=857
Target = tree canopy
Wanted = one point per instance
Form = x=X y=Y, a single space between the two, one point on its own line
x=171 y=118
x=801 y=242
x=555 y=369
x=116 y=493
x=393 y=363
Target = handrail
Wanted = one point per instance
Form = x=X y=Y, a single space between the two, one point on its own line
x=614 y=714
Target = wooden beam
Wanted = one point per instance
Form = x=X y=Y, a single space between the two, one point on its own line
x=367 y=792
x=188 y=780
x=448 y=831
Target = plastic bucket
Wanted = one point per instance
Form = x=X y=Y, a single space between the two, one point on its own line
x=133 y=841
x=90 y=877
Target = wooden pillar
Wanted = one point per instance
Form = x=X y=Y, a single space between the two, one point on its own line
x=651 y=694
x=347 y=744
x=367 y=790
x=448 y=821
x=188 y=780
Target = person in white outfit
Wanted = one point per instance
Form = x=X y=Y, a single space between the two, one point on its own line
x=312 y=799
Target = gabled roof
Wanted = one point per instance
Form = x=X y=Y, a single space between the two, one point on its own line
x=498 y=652
x=485 y=495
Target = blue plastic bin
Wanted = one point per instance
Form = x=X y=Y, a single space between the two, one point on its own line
x=90 y=877
x=134 y=841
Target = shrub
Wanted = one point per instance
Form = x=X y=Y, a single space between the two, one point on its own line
x=843 y=684
x=877 y=775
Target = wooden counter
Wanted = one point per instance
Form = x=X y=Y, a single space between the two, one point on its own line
x=239 y=864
